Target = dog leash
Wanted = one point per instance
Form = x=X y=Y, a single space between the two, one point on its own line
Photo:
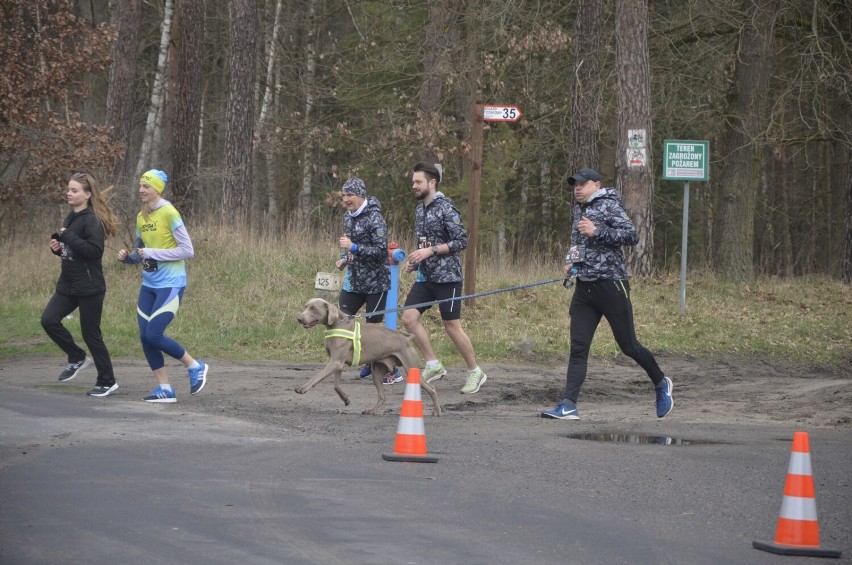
x=567 y=283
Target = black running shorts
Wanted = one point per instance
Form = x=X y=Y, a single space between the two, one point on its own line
x=429 y=292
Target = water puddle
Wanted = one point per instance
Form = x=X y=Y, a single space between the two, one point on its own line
x=640 y=438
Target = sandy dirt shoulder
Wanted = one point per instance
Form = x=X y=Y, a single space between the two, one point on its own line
x=616 y=391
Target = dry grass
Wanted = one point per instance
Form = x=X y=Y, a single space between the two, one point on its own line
x=245 y=292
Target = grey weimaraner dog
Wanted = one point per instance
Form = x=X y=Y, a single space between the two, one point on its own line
x=382 y=348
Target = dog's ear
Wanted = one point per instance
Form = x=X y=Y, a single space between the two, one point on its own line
x=334 y=314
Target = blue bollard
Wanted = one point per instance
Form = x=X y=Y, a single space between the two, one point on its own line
x=395 y=257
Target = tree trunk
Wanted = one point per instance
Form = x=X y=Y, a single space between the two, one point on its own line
x=786 y=240
x=545 y=233
x=239 y=112
x=466 y=39
x=119 y=103
x=586 y=86
x=765 y=242
x=200 y=134
x=187 y=103
x=846 y=264
x=270 y=67
x=155 y=109
x=502 y=255
x=739 y=174
x=435 y=64
x=271 y=215
x=305 y=196
x=633 y=153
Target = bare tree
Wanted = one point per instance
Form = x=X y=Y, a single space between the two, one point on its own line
x=585 y=86
x=46 y=53
x=155 y=107
x=633 y=154
x=262 y=127
x=360 y=87
x=187 y=100
x=122 y=79
x=583 y=132
x=309 y=78
x=438 y=29
x=739 y=176
x=239 y=114
x=846 y=263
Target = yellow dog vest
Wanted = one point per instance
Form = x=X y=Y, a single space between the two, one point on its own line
x=355 y=336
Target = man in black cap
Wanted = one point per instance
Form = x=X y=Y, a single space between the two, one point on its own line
x=601 y=227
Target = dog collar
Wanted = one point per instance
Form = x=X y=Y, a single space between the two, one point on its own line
x=354 y=335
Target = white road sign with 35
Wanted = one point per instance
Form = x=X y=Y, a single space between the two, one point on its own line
x=491 y=113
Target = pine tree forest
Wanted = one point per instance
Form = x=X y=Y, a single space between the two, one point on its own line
x=259 y=110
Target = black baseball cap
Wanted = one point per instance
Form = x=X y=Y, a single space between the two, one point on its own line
x=583 y=175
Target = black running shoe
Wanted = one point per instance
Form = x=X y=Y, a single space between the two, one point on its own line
x=73 y=369
x=103 y=390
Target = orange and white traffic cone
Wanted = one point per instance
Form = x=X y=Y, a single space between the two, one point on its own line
x=410 y=444
x=798 y=529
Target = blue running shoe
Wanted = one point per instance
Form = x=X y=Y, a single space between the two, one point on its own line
x=160 y=395
x=563 y=411
x=198 y=377
x=665 y=402
x=366 y=371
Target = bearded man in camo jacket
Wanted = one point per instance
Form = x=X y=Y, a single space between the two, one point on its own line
x=600 y=229
x=441 y=237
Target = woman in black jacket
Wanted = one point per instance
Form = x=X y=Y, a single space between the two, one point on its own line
x=80 y=246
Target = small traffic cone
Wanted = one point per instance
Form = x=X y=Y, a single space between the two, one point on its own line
x=798 y=528
x=410 y=442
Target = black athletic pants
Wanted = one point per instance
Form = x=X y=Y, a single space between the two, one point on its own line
x=90 y=308
x=610 y=299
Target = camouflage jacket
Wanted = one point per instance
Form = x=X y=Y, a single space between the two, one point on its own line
x=601 y=257
x=437 y=223
x=367 y=269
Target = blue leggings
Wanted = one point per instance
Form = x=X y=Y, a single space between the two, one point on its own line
x=155 y=310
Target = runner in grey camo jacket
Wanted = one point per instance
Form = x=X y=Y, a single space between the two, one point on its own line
x=602 y=255
x=367 y=268
x=365 y=256
x=600 y=228
x=440 y=238
x=436 y=223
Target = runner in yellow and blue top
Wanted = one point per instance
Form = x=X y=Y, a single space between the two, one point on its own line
x=162 y=247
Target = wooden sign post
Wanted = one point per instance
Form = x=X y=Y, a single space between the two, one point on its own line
x=479 y=114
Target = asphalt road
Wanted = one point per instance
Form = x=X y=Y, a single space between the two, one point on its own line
x=119 y=481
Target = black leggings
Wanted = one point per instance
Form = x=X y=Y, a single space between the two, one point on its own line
x=610 y=299
x=90 y=307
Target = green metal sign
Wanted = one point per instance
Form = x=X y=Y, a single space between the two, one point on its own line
x=686 y=160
